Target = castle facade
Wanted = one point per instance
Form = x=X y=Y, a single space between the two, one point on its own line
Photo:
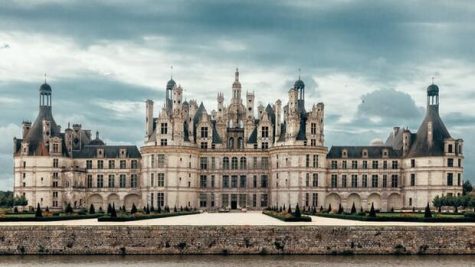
x=235 y=157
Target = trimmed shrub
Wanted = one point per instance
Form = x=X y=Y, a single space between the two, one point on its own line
x=427 y=212
x=92 y=210
x=353 y=208
x=134 y=209
x=68 y=209
x=113 y=213
x=372 y=212
x=38 y=213
x=340 y=209
x=329 y=207
x=297 y=213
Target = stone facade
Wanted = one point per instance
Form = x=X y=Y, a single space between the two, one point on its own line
x=236 y=156
x=237 y=240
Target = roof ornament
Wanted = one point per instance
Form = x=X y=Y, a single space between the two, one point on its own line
x=432 y=79
x=171 y=72
x=236 y=75
x=97 y=134
x=45 y=77
x=299 y=73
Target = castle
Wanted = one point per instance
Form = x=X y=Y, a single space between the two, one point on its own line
x=235 y=157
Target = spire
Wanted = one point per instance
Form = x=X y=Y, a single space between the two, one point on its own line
x=45 y=77
x=299 y=73
x=236 y=74
x=171 y=72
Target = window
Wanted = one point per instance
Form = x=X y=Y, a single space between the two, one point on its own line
x=354 y=164
x=55 y=148
x=450 y=179
x=242 y=181
x=204 y=145
x=343 y=181
x=212 y=199
x=365 y=164
x=161 y=160
x=263 y=200
x=224 y=200
x=354 y=181
x=265 y=145
x=161 y=199
x=394 y=181
x=413 y=163
x=264 y=181
x=88 y=164
x=231 y=143
x=212 y=181
x=385 y=164
x=344 y=164
x=55 y=183
x=123 y=164
x=243 y=164
x=410 y=201
x=202 y=200
x=450 y=162
x=334 y=181
x=100 y=164
x=313 y=142
x=134 y=164
x=375 y=164
x=163 y=128
x=161 y=179
x=395 y=165
x=451 y=149
x=374 y=181
x=315 y=161
x=163 y=142
x=203 y=163
x=307 y=199
x=226 y=163
x=89 y=181
x=265 y=163
x=364 y=182
x=100 y=181
x=204 y=132
x=225 y=181
x=313 y=128
x=459 y=179
x=152 y=181
x=133 y=181
x=254 y=163
x=234 y=163
x=254 y=200
x=111 y=164
x=314 y=199
x=55 y=163
x=234 y=181
x=111 y=181
x=307 y=161
x=265 y=132
x=203 y=181
x=213 y=163
x=413 y=179
x=385 y=181
x=315 y=180
x=122 y=182
x=242 y=200
x=240 y=143
x=334 y=164
x=307 y=180
x=254 y=181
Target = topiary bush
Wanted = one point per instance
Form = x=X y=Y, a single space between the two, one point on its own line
x=38 y=213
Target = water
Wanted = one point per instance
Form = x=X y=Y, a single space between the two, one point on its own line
x=248 y=261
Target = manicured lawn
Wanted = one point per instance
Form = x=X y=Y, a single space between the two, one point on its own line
x=287 y=217
x=401 y=217
x=125 y=217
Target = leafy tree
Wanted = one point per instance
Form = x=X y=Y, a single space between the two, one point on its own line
x=92 y=210
x=467 y=187
x=134 y=209
x=15 y=209
x=38 y=213
x=438 y=203
x=297 y=212
x=152 y=209
x=372 y=212
x=427 y=212
x=148 y=210
x=353 y=208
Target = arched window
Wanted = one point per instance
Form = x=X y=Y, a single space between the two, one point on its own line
x=240 y=143
x=226 y=163
x=234 y=163
x=243 y=163
x=231 y=143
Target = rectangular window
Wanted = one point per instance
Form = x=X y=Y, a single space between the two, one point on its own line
x=334 y=164
x=234 y=181
x=163 y=142
x=225 y=181
x=224 y=200
x=111 y=164
x=161 y=179
x=204 y=145
x=394 y=181
x=315 y=180
x=354 y=181
x=450 y=179
x=202 y=200
x=122 y=181
x=161 y=160
x=204 y=132
x=313 y=128
x=334 y=181
x=213 y=163
x=203 y=181
x=450 y=162
x=264 y=181
x=307 y=180
x=413 y=179
x=88 y=164
x=354 y=164
x=161 y=199
x=254 y=200
x=55 y=183
x=212 y=181
x=413 y=163
x=385 y=164
x=343 y=181
x=111 y=181
x=242 y=200
x=264 y=200
x=100 y=181
x=89 y=181
x=254 y=181
x=459 y=179
x=55 y=163
x=364 y=182
x=265 y=163
x=315 y=161
x=307 y=161
x=385 y=181
x=314 y=199
x=163 y=128
x=265 y=132
x=375 y=164
x=313 y=142
x=133 y=180
x=100 y=164
x=134 y=164
x=152 y=181
x=344 y=164
x=123 y=164
x=307 y=199
x=365 y=164
x=374 y=181
x=203 y=163
x=265 y=145
x=395 y=165
x=242 y=181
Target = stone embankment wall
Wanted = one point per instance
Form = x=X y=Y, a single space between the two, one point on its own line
x=237 y=240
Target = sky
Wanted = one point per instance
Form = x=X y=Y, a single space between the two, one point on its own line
x=369 y=62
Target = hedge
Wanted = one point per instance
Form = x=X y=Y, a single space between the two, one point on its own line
x=145 y=217
x=397 y=219
x=287 y=218
x=48 y=218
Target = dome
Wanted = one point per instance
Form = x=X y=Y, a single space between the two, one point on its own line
x=432 y=90
x=376 y=142
x=170 y=84
x=45 y=88
x=299 y=84
x=97 y=141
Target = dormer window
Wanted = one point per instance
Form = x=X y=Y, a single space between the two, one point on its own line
x=204 y=132
x=122 y=152
x=163 y=128
x=365 y=153
x=344 y=153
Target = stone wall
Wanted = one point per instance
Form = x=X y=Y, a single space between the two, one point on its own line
x=237 y=240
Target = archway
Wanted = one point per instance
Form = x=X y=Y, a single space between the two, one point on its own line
x=113 y=199
x=374 y=199
x=96 y=200
x=394 y=201
x=353 y=198
x=334 y=200
x=131 y=199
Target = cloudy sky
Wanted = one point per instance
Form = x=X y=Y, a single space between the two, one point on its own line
x=368 y=61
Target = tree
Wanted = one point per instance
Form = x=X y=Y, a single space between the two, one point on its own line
x=340 y=209
x=92 y=210
x=113 y=213
x=68 y=209
x=467 y=187
x=289 y=211
x=134 y=209
x=174 y=209
x=109 y=208
x=297 y=213
x=148 y=210
x=321 y=208
x=159 y=209
x=20 y=201
x=329 y=207
x=372 y=212
x=38 y=213
x=438 y=203
x=47 y=209
x=353 y=208
x=427 y=212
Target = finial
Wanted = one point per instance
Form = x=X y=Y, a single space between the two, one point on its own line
x=299 y=73
x=171 y=72
x=97 y=134
x=432 y=80
x=45 y=77
x=69 y=124
x=237 y=75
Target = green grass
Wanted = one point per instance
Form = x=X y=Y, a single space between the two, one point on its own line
x=125 y=217
x=401 y=217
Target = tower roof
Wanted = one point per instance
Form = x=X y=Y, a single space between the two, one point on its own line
x=97 y=141
x=432 y=90
x=170 y=84
x=299 y=84
x=45 y=88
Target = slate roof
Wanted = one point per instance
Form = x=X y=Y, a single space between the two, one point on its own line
x=216 y=138
x=253 y=137
x=109 y=152
x=356 y=152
